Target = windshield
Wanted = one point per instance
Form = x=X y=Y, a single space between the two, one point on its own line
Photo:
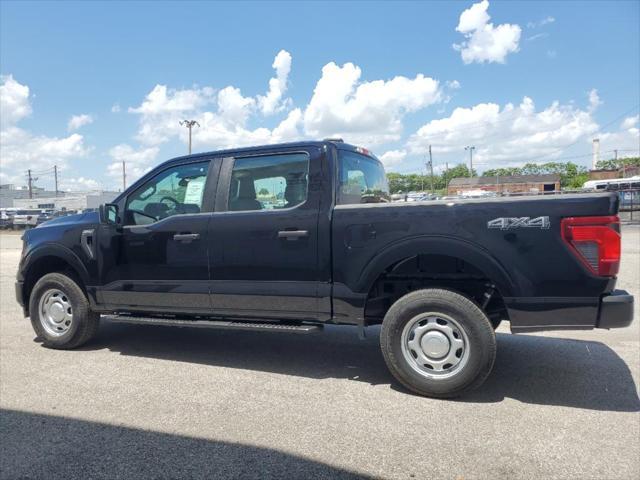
x=362 y=179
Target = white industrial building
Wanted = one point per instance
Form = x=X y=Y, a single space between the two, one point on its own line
x=68 y=201
x=9 y=193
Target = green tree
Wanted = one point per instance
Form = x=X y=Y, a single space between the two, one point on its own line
x=502 y=172
x=263 y=192
x=613 y=164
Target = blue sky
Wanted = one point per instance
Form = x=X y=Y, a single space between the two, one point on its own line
x=534 y=82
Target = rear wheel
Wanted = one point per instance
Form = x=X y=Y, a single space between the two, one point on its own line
x=438 y=343
x=60 y=313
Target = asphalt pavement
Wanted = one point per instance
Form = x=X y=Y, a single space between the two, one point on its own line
x=161 y=402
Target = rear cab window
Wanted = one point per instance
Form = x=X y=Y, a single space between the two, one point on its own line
x=362 y=179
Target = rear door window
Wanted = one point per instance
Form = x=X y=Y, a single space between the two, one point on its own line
x=269 y=182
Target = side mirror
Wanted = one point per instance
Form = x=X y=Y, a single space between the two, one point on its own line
x=109 y=214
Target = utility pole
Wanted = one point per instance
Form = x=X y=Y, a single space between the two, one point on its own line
x=189 y=124
x=471 y=148
x=124 y=176
x=446 y=177
x=30 y=183
x=55 y=176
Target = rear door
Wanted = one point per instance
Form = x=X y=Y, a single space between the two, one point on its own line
x=264 y=234
x=159 y=260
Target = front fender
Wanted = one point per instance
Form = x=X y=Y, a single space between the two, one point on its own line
x=474 y=254
x=51 y=249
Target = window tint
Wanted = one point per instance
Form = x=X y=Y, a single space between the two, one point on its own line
x=269 y=182
x=362 y=180
x=175 y=191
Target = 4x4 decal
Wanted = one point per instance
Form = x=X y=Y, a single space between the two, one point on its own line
x=507 y=223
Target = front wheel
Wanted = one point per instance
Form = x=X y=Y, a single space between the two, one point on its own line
x=60 y=313
x=438 y=343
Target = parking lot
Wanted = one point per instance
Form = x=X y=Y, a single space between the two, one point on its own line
x=158 y=402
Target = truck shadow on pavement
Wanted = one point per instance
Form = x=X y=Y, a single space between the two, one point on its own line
x=51 y=447
x=531 y=369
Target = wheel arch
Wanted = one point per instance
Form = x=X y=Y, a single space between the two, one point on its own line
x=464 y=250
x=51 y=258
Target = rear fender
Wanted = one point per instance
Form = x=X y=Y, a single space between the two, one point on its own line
x=437 y=245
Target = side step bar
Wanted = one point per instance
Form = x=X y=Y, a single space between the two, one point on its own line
x=219 y=324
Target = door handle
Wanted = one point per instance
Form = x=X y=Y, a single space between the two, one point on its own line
x=186 y=237
x=293 y=234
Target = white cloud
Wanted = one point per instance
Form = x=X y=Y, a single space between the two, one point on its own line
x=541 y=23
x=14 y=101
x=79 y=121
x=626 y=140
x=630 y=122
x=594 y=100
x=507 y=135
x=162 y=100
x=234 y=108
x=21 y=149
x=115 y=108
x=79 y=184
x=163 y=108
x=223 y=115
x=341 y=105
x=272 y=102
x=365 y=112
x=485 y=42
x=537 y=36
x=393 y=158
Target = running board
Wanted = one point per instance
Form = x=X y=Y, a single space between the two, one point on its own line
x=219 y=324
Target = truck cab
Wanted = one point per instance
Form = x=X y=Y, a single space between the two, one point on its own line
x=293 y=236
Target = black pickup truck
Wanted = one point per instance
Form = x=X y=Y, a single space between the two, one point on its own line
x=294 y=236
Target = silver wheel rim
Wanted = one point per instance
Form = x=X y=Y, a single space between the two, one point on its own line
x=435 y=345
x=56 y=313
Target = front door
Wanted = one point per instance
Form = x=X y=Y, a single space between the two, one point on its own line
x=263 y=237
x=159 y=258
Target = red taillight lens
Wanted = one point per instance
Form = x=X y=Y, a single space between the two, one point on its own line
x=595 y=241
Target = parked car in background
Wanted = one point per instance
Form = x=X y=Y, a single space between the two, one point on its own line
x=6 y=219
x=26 y=218
x=45 y=215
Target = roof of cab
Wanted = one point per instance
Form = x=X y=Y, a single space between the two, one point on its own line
x=340 y=145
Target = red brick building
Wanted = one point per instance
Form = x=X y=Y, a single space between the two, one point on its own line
x=603 y=174
x=512 y=184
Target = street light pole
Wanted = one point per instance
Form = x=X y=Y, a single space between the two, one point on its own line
x=431 y=167
x=189 y=124
x=471 y=148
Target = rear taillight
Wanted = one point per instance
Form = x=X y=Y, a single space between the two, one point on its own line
x=595 y=241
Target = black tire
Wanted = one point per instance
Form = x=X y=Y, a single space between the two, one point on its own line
x=470 y=318
x=84 y=324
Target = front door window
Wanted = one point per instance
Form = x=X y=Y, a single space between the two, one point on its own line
x=177 y=190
